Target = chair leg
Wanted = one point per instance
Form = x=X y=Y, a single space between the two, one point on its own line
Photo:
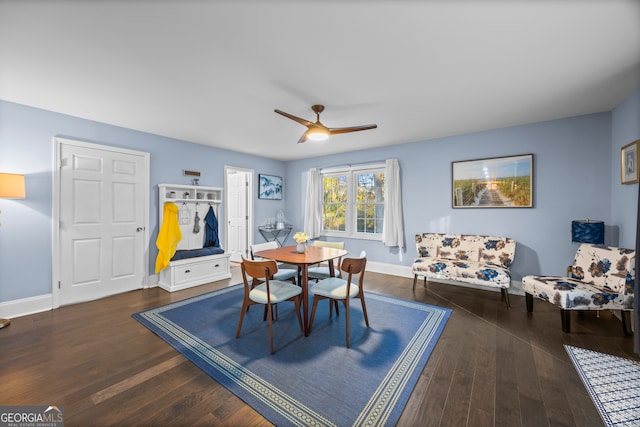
x=254 y=283
x=505 y=296
x=529 y=300
x=415 y=279
x=316 y=298
x=566 y=320
x=296 y=301
x=347 y=316
x=333 y=303
x=364 y=310
x=626 y=322
x=243 y=310
x=264 y=317
x=269 y=311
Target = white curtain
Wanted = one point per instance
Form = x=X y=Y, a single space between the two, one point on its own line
x=392 y=229
x=313 y=206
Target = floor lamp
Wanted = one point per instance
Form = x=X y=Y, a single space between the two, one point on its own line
x=11 y=187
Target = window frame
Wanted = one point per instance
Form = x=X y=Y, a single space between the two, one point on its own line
x=351 y=209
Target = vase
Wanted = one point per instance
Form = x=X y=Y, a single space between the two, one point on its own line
x=300 y=248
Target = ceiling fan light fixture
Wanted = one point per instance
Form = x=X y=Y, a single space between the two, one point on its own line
x=318 y=135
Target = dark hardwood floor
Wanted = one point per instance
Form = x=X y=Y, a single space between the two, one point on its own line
x=492 y=366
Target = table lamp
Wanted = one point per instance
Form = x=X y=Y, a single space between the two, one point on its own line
x=587 y=231
x=11 y=187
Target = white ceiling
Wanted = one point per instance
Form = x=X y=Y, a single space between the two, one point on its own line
x=212 y=72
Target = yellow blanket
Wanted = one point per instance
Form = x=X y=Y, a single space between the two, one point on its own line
x=168 y=237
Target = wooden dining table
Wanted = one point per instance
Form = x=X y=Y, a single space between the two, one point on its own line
x=312 y=255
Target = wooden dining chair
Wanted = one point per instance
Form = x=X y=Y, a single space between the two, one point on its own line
x=338 y=289
x=320 y=272
x=268 y=293
x=283 y=274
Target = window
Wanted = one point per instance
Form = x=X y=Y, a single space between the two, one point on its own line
x=353 y=203
x=335 y=192
x=369 y=202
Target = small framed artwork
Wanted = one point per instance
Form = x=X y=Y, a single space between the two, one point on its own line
x=270 y=187
x=497 y=182
x=629 y=162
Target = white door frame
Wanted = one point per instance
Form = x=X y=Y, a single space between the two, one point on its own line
x=250 y=213
x=55 y=250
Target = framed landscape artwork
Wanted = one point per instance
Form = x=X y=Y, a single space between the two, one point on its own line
x=270 y=187
x=629 y=163
x=498 y=182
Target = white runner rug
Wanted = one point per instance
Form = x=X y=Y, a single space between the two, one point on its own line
x=612 y=382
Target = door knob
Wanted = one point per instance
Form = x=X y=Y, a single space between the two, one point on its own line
x=139 y=229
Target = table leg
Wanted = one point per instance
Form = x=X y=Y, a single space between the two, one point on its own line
x=335 y=302
x=305 y=299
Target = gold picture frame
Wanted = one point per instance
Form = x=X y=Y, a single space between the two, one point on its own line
x=629 y=162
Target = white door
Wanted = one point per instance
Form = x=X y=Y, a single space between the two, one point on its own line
x=103 y=213
x=239 y=216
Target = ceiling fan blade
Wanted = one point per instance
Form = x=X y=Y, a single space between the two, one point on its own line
x=337 y=131
x=304 y=137
x=303 y=122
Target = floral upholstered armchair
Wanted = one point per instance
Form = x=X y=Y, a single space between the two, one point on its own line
x=600 y=278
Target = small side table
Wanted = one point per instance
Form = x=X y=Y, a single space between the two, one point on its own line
x=278 y=234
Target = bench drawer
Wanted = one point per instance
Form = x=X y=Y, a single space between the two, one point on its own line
x=190 y=272
x=198 y=271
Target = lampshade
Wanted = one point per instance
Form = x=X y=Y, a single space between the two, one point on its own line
x=12 y=186
x=587 y=231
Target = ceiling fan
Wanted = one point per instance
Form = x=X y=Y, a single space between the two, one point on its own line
x=317 y=131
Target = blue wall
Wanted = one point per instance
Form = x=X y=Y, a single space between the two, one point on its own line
x=572 y=174
x=624 y=198
x=26 y=147
x=576 y=176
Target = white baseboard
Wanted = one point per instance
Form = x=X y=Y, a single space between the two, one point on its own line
x=153 y=281
x=392 y=269
x=25 y=306
x=40 y=303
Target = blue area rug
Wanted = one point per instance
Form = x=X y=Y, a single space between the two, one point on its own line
x=312 y=381
x=612 y=382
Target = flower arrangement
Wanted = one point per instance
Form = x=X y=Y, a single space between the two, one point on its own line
x=300 y=237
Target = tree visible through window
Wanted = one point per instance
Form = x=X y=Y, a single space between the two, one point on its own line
x=370 y=202
x=335 y=203
x=354 y=203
